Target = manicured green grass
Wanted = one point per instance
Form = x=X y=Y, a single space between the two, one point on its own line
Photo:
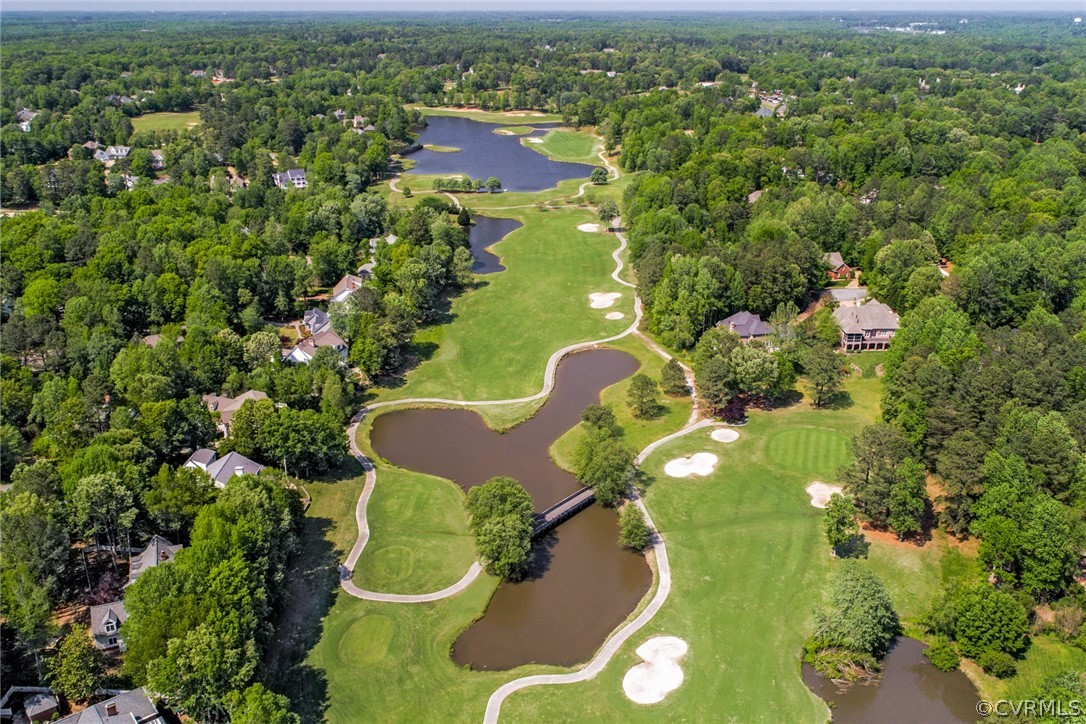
x=502 y=333
x=419 y=540
x=807 y=449
x=511 y=117
x=562 y=145
x=441 y=149
x=1047 y=656
x=749 y=564
x=514 y=130
x=166 y=121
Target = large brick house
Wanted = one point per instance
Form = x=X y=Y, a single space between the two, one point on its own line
x=869 y=326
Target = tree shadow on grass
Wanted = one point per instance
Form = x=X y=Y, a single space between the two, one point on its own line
x=840 y=400
x=856 y=547
x=307 y=596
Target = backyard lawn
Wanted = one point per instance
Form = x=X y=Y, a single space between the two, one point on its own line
x=166 y=121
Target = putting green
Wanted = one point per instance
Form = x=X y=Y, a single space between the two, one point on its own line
x=367 y=640
x=812 y=450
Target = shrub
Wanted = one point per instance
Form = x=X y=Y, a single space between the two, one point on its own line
x=997 y=664
x=634 y=531
x=943 y=655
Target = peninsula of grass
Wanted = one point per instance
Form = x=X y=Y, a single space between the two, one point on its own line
x=166 y=121
x=564 y=145
x=514 y=130
x=440 y=149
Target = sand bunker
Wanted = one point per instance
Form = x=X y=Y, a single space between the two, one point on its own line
x=590 y=228
x=534 y=140
x=602 y=300
x=724 y=434
x=820 y=493
x=503 y=132
x=614 y=315
x=701 y=463
x=660 y=674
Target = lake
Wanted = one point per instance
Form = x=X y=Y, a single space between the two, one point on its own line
x=484 y=232
x=484 y=153
x=582 y=584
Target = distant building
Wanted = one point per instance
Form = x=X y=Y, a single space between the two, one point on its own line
x=345 y=286
x=24 y=117
x=294 y=177
x=869 y=326
x=105 y=627
x=222 y=469
x=111 y=153
x=747 y=325
x=158 y=159
x=128 y=707
x=158 y=551
x=227 y=406
x=40 y=707
x=198 y=73
x=836 y=267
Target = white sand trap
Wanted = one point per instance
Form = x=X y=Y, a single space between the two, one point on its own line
x=602 y=300
x=701 y=463
x=660 y=674
x=590 y=228
x=724 y=434
x=820 y=493
x=503 y=132
x=534 y=140
x=614 y=315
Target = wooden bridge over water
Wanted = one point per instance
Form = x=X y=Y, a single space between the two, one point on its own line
x=562 y=511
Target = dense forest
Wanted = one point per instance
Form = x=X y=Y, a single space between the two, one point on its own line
x=895 y=149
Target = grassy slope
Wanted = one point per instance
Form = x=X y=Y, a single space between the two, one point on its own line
x=510 y=117
x=497 y=344
x=166 y=121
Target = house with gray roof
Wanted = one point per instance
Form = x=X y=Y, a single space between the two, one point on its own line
x=227 y=406
x=127 y=707
x=158 y=551
x=747 y=325
x=105 y=625
x=315 y=320
x=836 y=268
x=868 y=326
x=295 y=178
x=222 y=469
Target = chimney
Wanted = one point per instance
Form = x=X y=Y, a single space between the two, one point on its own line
x=239 y=470
x=111 y=708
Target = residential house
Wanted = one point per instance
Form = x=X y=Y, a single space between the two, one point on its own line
x=345 y=286
x=222 y=469
x=836 y=266
x=158 y=159
x=128 y=707
x=40 y=707
x=118 y=100
x=315 y=320
x=339 y=114
x=869 y=326
x=105 y=625
x=129 y=181
x=24 y=117
x=227 y=406
x=294 y=177
x=111 y=153
x=158 y=550
x=91 y=146
x=198 y=73
x=747 y=325
x=360 y=121
x=304 y=351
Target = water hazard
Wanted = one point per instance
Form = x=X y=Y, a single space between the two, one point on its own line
x=485 y=232
x=582 y=584
x=911 y=690
x=484 y=153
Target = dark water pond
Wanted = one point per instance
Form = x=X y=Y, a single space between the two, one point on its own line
x=911 y=690
x=484 y=153
x=582 y=584
x=485 y=232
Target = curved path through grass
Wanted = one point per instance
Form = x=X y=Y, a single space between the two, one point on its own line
x=614 y=643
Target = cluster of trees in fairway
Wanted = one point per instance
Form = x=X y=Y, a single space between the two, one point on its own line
x=467 y=185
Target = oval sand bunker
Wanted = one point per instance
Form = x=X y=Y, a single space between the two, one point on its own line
x=724 y=434
x=660 y=674
x=614 y=315
x=590 y=228
x=602 y=300
x=534 y=140
x=701 y=463
x=820 y=493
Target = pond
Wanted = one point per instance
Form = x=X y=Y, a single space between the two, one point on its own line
x=484 y=232
x=911 y=690
x=582 y=584
x=484 y=153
